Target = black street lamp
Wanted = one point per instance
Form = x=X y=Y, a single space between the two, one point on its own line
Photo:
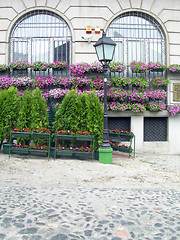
x=105 y=48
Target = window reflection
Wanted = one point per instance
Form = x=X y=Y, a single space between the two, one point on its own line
x=40 y=36
x=140 y=37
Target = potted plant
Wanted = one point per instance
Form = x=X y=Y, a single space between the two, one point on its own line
x=20 y=149
x=83 y=152
x=41 y=133
x=173 y=110
x=138 y=67
x=66 y=151
x=39 y=150
x=3 y=67
x=174 y=68
x=141 y=83
x=58 y=65
x=18 y=132
x=114 y=145
x=19 y=65
x=160 y=81
x=125 y=148
x=156 y=67
x=154 y=106
x=79 y=69
x=96 y=67
x=124 y=82
x=117 y=67
x=39 y=66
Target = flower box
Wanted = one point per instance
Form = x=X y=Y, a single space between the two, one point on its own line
x=116 y=148
x=20 y=151
x=124 y=149
x=64 y=152
x=40 y=135
x=6 y=147
x=65 y=137
x=157 y=70
x=83 y=155
x=37 y=152
x=126 y=136
x=21 y=134
x=84 y=137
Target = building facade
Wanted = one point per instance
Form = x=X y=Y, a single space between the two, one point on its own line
x=144 y=30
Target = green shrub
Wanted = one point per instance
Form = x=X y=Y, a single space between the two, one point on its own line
x=81 y=112
x=95 y=118
x=9 y=112
x=33 y=111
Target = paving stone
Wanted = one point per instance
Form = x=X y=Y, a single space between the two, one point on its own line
x=76 y=214
x=36 y=237
x=2 y=236
x=19 y=225
x=28 y=231
x=59 y=237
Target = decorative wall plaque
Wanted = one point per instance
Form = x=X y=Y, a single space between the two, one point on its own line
x=176 y=92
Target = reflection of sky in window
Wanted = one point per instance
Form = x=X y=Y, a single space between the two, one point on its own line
x=42 y=25
x=133 y=27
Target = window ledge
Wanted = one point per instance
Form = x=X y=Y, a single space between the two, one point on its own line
x=146 y=114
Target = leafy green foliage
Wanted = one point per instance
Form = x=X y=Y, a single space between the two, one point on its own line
x=81 y=112
x=39 y=111
x=65 y=117
x=33 y=113
x=9 y=112
x=95 y=118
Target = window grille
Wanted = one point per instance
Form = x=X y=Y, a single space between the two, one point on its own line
x=122 y=123
x=139 y=37
x=155 y=129
x=40 y=36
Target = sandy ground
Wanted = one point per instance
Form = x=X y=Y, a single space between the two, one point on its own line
x=143 y=171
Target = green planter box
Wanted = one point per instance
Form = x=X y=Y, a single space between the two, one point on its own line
x=6 y=148
x=40 y=135
x=21 y=134
x=84 y=137
x=41 y=153
x=96 y=155
x=123 y=149
x=157 y=70
x=64 y=152
x=126 y=136
x=115 y=148
x=20 y=151
x=66 y=137
x=83 y=155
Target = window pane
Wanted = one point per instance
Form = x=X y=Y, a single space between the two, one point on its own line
x=33 y=36
x=40 y=50
x=139 y=37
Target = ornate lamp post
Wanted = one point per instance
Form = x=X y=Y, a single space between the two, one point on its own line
x=105 y=48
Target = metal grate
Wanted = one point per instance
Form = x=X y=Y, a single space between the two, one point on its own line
x=139 y=37
x=122 y=123
x=40 y=36
x=155 y=129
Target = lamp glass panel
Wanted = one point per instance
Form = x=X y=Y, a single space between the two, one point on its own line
x=109 y=50
x=99 y=51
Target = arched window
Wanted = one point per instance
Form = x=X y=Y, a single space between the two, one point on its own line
x=139 y=37
x=40 y=36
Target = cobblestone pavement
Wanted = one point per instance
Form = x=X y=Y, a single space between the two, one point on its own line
x=32 y=213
